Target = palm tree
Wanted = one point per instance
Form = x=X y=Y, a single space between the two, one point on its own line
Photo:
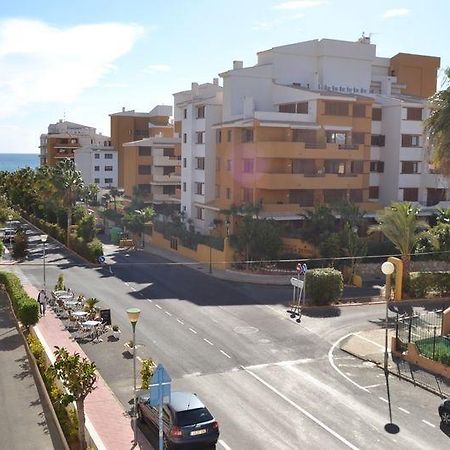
x=437 y=127
x=70 y=183
x=114 y=192
x=399 y=223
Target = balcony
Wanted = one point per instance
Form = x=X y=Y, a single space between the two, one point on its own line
x=348 y=146
x=309 y=181
x=166 y=179
x=166 y=161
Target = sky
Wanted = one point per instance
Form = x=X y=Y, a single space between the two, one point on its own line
x=84 y=60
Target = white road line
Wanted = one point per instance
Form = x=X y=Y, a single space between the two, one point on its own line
x=330 y=359
x=209 y=342
x=149 y=300
x=225 y=446
x=372 y=386
x=159 y=307
x=139 y=358
x=368 y=340
x=180 y=321
x=133 y=288
x=168 y=313
x=191 y=329
x=383 y=399
x=302 y=410
x=404 y=410
x=226 y=354
x=126 y=282
x=428 y=423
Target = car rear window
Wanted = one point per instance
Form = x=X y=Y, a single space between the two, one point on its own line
x=193 y=416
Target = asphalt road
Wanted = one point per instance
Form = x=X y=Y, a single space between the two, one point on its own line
x=270 y=382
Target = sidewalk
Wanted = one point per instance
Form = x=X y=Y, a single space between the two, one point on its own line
x=369 y=346
x=108 y=424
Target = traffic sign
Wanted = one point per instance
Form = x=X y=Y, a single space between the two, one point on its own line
x=101 y=259
x=301 y=268
x=296 y=282
x=159 y=387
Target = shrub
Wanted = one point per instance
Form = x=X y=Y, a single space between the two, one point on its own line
x=422 y=283
x=26 y=308
x=89 y=250
x=324 y=286
x=2 y=248
x=20 y=244
x=86 y=227
x=60 y=286
x=147 y=370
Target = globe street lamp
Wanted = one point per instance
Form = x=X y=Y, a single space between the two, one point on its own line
x=133 y=317
x=44 y=240
x=388 y=269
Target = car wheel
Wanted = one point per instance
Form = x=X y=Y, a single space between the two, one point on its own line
x=445 y=417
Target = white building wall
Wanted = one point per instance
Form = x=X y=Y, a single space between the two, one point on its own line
x=86 y=163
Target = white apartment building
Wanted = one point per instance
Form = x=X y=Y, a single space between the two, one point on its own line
x=97 y=164
x=195 y=113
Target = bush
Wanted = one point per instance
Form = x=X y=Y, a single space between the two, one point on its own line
x=20 y=244
x=26 y=308
x=324 y=286
x=90 y=250
x=421 y=284
x=86 y=228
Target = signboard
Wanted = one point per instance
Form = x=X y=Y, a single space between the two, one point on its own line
x=159 y=387
x=105 y=314
x=297 y=283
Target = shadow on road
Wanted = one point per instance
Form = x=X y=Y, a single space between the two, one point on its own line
x=330 y=311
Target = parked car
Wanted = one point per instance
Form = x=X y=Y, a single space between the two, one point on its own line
x=187 y=422
x=444 y=411
x=9 y=235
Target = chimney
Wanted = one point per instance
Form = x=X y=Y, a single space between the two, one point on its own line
x=123 y=108
x=195 y=89
x=238 y=65
x=216 y=81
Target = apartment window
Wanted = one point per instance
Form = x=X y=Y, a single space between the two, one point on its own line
x=377 y=114
x=185 y=114
x=377 y=140
x=287 y=108
x=248 y=165
x=358 y=138
x=336 y=109
x=410 y=140
x=199 y=213
x=359 y=110
x=413 y=113
x=184 y=138
x=229 y=165
x=144 y=169
x=108 y=180
x=305 y=166
x=96 y=180
x=307 y=136
x=218 y=164
x=374 y=192
x=377 y=166
x=302 y=108
x=229 y=135
x=145 y=151
x=247 y=135
x=96 y=168
x=410 y=194
x=144 y=188
x=334 y=166
x=334 y=195
x=168 y=190
x=184 y=186
x=357 y=167
x=302 y=197
x=228 y=193
x=168 y=152
x=96 y=155
x=299 y=108
x=356 y=195
x=217 y=191
x=184 y=162
x=200 y=137
x=410 y=167
x=247 y=195
x=200 y=163
x=108 y=156
x=336 y=137
x=199 y=188
x=218 y=136
x=141 y=133
x=200 y=111
x=168 y=170
x=108 y=168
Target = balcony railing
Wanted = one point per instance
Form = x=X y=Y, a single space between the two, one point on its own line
x=348 y=146
x=313 y=145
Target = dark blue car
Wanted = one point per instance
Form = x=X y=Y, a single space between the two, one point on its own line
x=186 y=420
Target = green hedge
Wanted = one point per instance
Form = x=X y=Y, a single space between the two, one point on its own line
x=324 y=286
x=52 y=229
x=25 y=307
x=89 y=250
x=420 y=284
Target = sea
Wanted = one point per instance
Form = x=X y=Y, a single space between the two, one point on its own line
x=14 y=161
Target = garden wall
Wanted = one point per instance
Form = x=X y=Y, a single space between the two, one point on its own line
x=370 y=271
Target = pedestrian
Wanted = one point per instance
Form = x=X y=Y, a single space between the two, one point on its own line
x=42 y=300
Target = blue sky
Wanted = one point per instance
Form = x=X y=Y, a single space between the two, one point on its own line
x=87 y=59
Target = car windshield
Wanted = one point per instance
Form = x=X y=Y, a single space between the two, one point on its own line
x=193 y=416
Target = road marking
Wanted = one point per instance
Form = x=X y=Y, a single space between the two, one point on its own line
x=302 y=410
x=209 y=342
x=191 y=329
x=132 y=288
x=139 y=358
x=368 y=340
x=428 y=423
x=383 y=399
x=226 y=354
x=330 y=359
x=168 y=313
x=225 y=446
x=372 y=386
x=180 y=321
x=151 y=301
x=404 y=410
x=126 y=282
x=158 y=306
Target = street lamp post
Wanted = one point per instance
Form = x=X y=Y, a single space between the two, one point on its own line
x=211 y=228
x=388 y=269
x=44 y=238
x=10 y=234
x=133 y=317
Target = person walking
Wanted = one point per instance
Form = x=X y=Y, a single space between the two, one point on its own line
x=42 y=300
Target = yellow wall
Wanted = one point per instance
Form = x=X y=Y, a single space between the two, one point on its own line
x=303 y=248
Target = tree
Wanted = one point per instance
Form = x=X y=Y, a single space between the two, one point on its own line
x=437 y=128
x=86 y=227
x=319 y=224
x=114 y=192
x=399 y=223
x=78 y=375
x=70 y=184
x=135 y=221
